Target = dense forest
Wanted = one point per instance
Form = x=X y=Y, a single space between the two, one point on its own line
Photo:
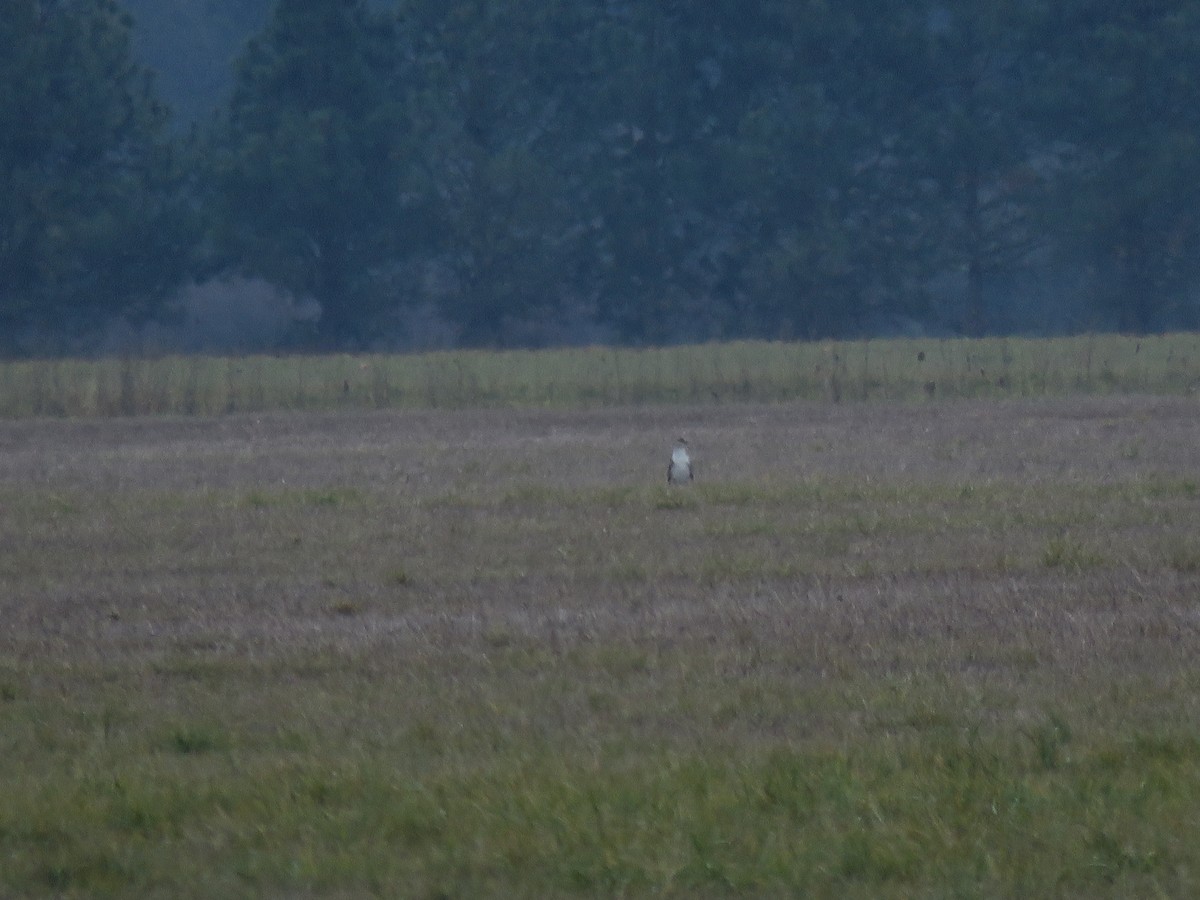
x=311 y=174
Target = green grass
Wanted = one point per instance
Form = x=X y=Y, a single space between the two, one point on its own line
x=877 y=650
x=930 y=798
x=900 y=369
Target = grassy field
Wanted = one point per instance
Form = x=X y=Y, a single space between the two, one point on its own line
x=939 y=648
x=908 y=369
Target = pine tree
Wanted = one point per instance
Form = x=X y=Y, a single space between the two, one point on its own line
x=309 y=168
x=91 y=226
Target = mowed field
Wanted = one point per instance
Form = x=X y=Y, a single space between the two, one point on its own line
x=931 y=648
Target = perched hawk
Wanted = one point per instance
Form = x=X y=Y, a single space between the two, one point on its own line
x=680 y=470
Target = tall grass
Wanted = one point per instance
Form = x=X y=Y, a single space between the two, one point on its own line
x=900 y=369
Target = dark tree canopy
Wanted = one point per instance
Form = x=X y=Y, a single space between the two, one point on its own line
x=91 y=225
x=518 y=173
x=308 y=167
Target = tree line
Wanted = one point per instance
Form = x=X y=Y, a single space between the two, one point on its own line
x=520 y=173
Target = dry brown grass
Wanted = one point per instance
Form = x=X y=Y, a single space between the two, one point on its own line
x=855 y=537
x=450 y=589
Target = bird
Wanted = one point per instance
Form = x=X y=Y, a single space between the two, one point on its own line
x=680 y=469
